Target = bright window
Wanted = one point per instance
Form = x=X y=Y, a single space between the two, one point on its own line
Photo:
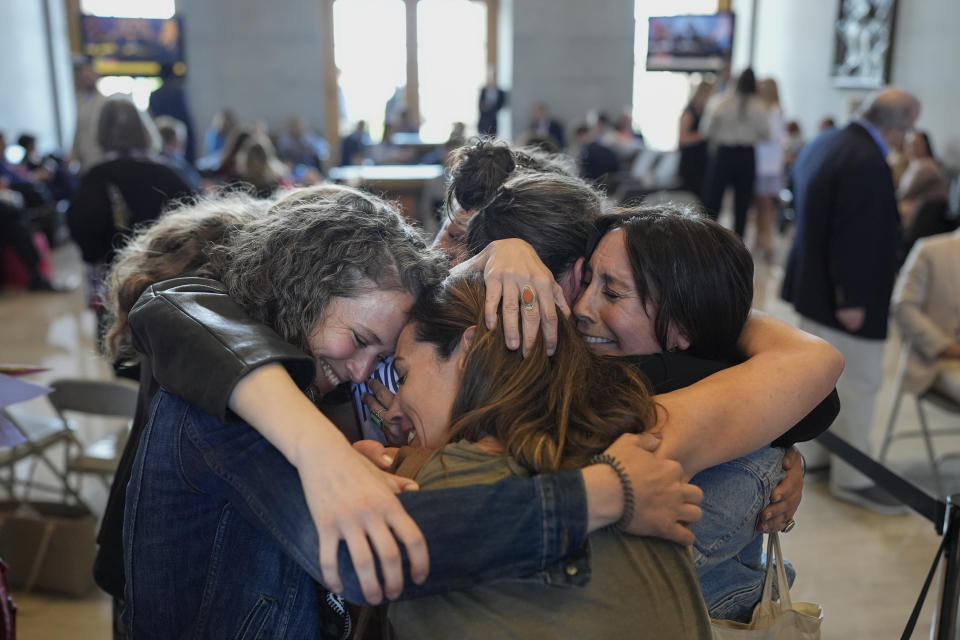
x=660 y=96
x=370 y=42
x=451 y=54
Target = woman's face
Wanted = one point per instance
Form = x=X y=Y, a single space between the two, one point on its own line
x=428 y=387
x=917 y=146
x=354 y=334
x=610 y=316
x=451 y=236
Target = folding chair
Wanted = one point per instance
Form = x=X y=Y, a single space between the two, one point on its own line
x=99 y=398
x=40 y=437
x=931 y=396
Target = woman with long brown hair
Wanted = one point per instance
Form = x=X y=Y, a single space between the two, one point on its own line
x=495 y=413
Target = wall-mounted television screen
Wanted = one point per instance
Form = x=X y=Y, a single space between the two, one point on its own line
x=133 y=46
x=690 y=43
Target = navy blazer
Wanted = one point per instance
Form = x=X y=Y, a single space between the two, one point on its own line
x=844 y=252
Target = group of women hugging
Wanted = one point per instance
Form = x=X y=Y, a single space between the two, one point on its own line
x=608 y=427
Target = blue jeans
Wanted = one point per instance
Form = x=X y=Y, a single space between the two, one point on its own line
x=728 y=552
x=218 y=541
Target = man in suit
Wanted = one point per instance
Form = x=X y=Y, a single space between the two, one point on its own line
x=843 y=262
x=544 y=127
x=926 y=306
x=492 y=99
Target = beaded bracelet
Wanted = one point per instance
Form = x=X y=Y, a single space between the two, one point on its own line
x=604 y=458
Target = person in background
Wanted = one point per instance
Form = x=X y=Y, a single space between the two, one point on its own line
x=15 y=233
x=598 y=162
x=693 y=146
x=769 y=180
x=827 y=124
x=128 y=189
x=85 y=150
x=543 y=127
x=258 y=167
x=171 y=100
x=173 y=137
x=298 y=145
x=492 y=99
x=923 y=180
x=842 y=265
x=734 y=123
x=222 y=127
x=926 y=310
x=353 y=149
x=792 y=145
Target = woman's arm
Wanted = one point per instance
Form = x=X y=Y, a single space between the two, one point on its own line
x=745 y=407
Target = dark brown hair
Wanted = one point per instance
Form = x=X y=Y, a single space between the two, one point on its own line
x=696 y=275
x=550 y=413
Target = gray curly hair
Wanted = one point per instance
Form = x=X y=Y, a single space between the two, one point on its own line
x=282 y=260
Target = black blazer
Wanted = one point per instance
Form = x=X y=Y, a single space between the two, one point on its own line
x=844 y=252
x=488 y=112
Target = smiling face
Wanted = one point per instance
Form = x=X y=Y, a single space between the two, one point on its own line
x=609 y=313
x=428 y=388
x=354 y=334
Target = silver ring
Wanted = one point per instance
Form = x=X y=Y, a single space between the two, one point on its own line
x=787 y=528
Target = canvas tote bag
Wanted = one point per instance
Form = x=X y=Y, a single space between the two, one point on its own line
x=781 y=620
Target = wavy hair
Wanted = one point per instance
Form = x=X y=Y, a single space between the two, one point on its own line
x=283 y=260
x=550 y=413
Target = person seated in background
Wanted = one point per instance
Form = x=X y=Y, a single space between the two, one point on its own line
x=923 y=180
x=31 y=184
x=222 y=127
x=173 y=137
x=259 y=169
x=925 y=306
x=15 y=233
x=299 y=145
x=543 y=127
x=598 y=162
x=827 y=124
x=353 y=149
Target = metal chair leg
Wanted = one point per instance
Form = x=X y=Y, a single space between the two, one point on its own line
x=929 y=445
x=888 y=434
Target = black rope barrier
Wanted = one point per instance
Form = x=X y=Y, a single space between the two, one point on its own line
x=945 y=516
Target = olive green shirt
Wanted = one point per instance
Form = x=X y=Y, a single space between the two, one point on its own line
x=640 y=587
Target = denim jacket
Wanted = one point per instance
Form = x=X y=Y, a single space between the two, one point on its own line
x=217 y=511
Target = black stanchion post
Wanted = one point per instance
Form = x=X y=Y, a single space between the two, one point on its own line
x=950 y=589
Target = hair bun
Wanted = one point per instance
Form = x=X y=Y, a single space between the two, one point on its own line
x=479 y=170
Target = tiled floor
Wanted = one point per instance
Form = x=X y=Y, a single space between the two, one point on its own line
x=863 y=568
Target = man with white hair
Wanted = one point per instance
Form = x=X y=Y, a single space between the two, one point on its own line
x=843 y=263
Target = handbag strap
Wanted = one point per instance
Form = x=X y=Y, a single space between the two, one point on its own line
x=915 y=614
x=775 y=568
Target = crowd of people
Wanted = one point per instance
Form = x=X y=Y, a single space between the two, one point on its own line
x=514 y=430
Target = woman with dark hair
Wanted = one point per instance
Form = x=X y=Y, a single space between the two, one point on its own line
x=733 y=124
x=477 y=171
x=923 y=180
x=666 y=279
